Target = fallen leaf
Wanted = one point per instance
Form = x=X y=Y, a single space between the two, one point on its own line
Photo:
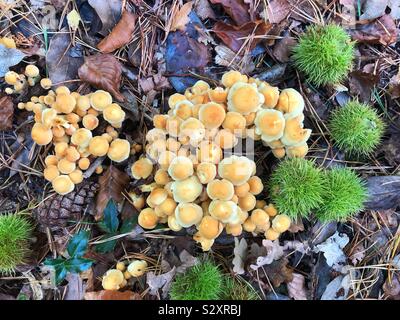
x=112 y=183
x=6 y=113
x=120 y=35
x=181 y=17
x=277 y=10
x=380 y=31
x=383 y=192
x=373 y=9
x=227 y=58
x=73 y=19
x=278 y=272
x=391 y=287
x=103 y=71
x=391 y=149
x=238 y=10
x=357 y=254
x=337 y=289
x=162 y=281
x=203 y=9
x=240 y=253
x=332 y=249
x=112 y=295
x=62 y=61
x=9 y=57
x=236 y=37
x=109 y=12
x=296 y=287
x=75 y=289
x=283 y=48
x=362 y=84
x=274 y=251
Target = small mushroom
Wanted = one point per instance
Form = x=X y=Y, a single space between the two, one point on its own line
x=281 y=223
x=224 y=211
x=113 y=280
x=100 y=99
x=294 y=134
x=90 y=121
x=236 y=169
x=209 y=227
x=256 y=185
x=156 y=197
x=270 y=124
x=65 y=166
x=271 y=234
x=161 y=177
x=142 y=168
x=290 y=102
x=249 y=225
x=167 y=207
x=225 y=139
x=234 y=122
x=206 y=172
x=119 y=150
x=271 y=95
x=137 y=268
x=147 y=218
x=231 y=77
x=81 y=137
x=220 y=189
x=244 y=98
x=212 y=115
x=173 y=224
x=46 y=83
x=183 y=109
x=180 y=168
x=98 y=146
x=113 y=113
x=242 y=189
x=188 y=214
x=174 y=99
x=208 y=151
x=248 y=202
x=41 y=134
x=160 y=121
x=76 y=176
x=51 y=172
x=186 y=190
x=218 y=95
x=299 y=151
x=63 y=185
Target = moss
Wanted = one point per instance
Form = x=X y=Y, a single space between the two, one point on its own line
x=238 y=289
x=296 y=187
x=203 y=281
x=356 y=128
x=14 y=234
x=344 y=196
x=324 y=54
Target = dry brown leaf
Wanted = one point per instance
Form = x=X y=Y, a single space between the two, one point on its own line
x=103 y=71
x=203 y=10
x=6 y=113
x=112 y=295
x=227 y=58
x=109 y=13
x=234 y=37
x=112 y=184
x=120 y=35
x=238 y=10
x=277 y=10
x=296 y=287
x=181 y=18
x=361 y=83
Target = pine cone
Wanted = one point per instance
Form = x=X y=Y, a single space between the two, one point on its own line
x=58 y=211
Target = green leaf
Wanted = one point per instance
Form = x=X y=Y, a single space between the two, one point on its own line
x=61 y=273
x=129 y=224
x=107 y=246
x=77 y=264
x=110 y=221
x=78 y=244
x=54 y=262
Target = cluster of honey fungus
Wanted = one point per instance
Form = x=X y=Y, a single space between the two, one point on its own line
x=198 y=180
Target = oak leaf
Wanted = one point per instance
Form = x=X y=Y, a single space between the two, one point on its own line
x=103 y=71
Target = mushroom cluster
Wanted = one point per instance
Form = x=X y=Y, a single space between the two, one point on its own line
x=30 y=77
x=198 y=180
x=68 y=120
x=115 y=279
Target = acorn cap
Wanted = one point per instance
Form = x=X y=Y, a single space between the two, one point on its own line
x=98 y=146
x=142 y=168
x=113 y=280
x=41 y=134
x=188 y=214
x=180 y=168
x=81 y=137
x=290 y=102
x=270 y=124
x=186 y=190
x=113 y=113
x=147 y=218
x=294 y=133
x=231 y=77
x=119 y=150
x=206 y=172
x=224 y=211
x=220 y=189
x=63 y=184
x=244 y=98
x=100 y=99
x=236 y=169
x=212 y=115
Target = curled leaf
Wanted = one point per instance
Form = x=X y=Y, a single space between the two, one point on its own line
x=103 y=71
x=120 y=35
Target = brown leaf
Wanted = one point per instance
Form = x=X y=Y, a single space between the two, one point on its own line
x=392 y=288
x=278 y=272
x=6 y=113
x=112 y=183
x=234 y=37
x=380 y=31
x=238 y=10
x=181 y=18
x=283 y=48
x=296 y=287
x=277 y=10
x=203 y=10
x=120 y=35
x=227 y=58
x=109 y=13
x=112 y=295
x=362 y=83
x=103 y=71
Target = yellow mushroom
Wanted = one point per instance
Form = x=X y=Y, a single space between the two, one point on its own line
x=206 y=172
x=183 y=109
x=270 y=124
x=156 y=197
x=234 y=122
x=180 y=168
x=242 y=189
x=173 y=224
x=281 y=223
x=41 y=134
x=63 y=184
x=248 y=202
x=290 y=102
x=113 y=113
x=271 y=234
x=209 y=152
x=142 y=168
x=244 y=98
x=100 y=99
x=137 y=268
x=51 y=172
x=249 y=225
x=167 y=207
x=174 y=99
x=256 y=185
x=113 y=280
x=165 y=158
x=188 y=214
x=294 y=133
x=98 y=146
x=209 y=227
x=220 y=189
x=218 y=95
x=231 y=77
x=147 y=218
x=212 y=115
x=193 y=129
x=236 y=169
x=46 y=83
x=224 y=211
x=186 y=190
x=226 y=139
x=65 y=166
x=234 y=229
x=271 y=95
x=90 y=121
x=81 y=137
x=299 y=151
x=119 y=150
x=76 y=176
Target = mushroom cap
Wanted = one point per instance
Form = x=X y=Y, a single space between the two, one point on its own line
x=290 y=102
x=212 y=115
x=173 y=224
x=244 y=98
x=242 y=189
x=271 y=95
x=137 y=268
x=160 y=121
x=65 y=166
x=220 y=189
x=234 y=229
x=218 y=95
x=281 y=223
x=62 y=90
x=209 y=227
x=156 y=197
x=271 y=234
x=259 y=217
x=81 y=137
x=51 y=172
x=279 y=153
x=249 y=225
x=256 y=185
x=260 y=204
x=248 y=202
x=270 y=123
x=155 y=134
x=142 y=168
x=275 y=144
x=98 y=146
x=76 y=176
x=100 y=99
x=224 y=211
x=200 y=87
x=294 y=133
x=234 y=122
x=167 y=206
x=60 y=148
x=11 y=77
x=225 y=139
x=165 y=158
x=112 y=280
x=183 y=109
x=206 y=244
x=65 y=103
x=154 y=149
x=113 y=113
x=180 y=168
x=83 y=163
x=90 y=121
x=299 y=151
x=236 y=169
x=31 y=71
x=41 y=134
x=119 y=150
x=209 y=152
x=231 y=77
x=206 y=172
x=63 y=184
x=46 y=83
x=147 y=218
x=271 y=210
x=72 y=154
x=186 y=190
x=174 y=99
x=188 y=214
x=51 y=160
x=83 y=103
x=173 y=145
x=173 y=126
x=192 y=128
x=161 y=177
